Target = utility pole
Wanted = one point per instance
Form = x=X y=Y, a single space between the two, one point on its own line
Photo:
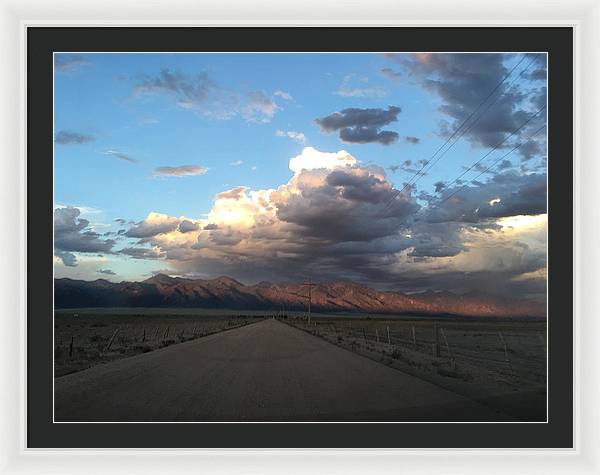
x=310 y=285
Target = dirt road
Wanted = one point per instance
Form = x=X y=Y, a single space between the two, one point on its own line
x=267 y=371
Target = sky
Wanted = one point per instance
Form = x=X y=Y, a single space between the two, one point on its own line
x=406 y=172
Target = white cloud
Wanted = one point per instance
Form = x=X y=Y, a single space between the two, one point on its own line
x=311 y=158
x=292 y=134
x=284 y=95
x=349 y=88
x=237 y=163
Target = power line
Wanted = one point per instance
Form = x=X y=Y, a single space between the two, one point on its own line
x=310 y=285
x=487 y=107
x=419 y=172
x=491 y=166
x=498 y=145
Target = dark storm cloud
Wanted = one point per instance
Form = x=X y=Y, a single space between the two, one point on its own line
x=463 y=81
x=226 y=237
x=539 y=74
x=65 y=137
x=530 y=149
x=68 y=259
x=539 y=97
x=412 y=140
x=347 y=208
x=411 y=167
x=367 y=135
x=364 y=188
x=507 y=194
x=142 y=253
x=69 y=63
x=361 y=125
x=186 y=226
x=72 y=234
x=146 y=229
x=336 y=223
x=504 y=164
x=439 y=186
x=358 y=118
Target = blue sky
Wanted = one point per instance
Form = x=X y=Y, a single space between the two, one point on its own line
x=237 y=120
x=98 y=99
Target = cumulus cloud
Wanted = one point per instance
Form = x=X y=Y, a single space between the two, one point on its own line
x=73 y=234
x=65 y=137
x=202 y=94
x=292 y=134
x=155 y=223
x=361 y=125
x=67 y=63
x=505 y=194
x=120 y=155
x=186 y=226
x=332 y=220
x=311 y=159
x=142 y=252
x=180 y=171
x=68 y=258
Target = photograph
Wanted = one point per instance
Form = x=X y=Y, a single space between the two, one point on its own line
x=300 y=237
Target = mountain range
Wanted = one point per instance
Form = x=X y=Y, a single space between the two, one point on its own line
x=227 y=293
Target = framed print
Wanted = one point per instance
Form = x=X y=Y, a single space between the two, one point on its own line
x=289 y=237
x=321 y=288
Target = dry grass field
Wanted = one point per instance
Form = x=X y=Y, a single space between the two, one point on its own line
x=87 y=337
x=499 y=362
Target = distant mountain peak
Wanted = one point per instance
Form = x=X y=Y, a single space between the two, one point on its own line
x=224 y=292
x=228 y=281
x=164 y=279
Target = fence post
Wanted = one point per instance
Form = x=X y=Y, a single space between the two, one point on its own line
x=452 y=359
x=377 y=335
x=414 y=337
x=388 y=334
x=71 y=347
x=436 y=339
x=110 y=342
x=166 y=333
x=144 y=336
x=364 y=336
x=506 y=358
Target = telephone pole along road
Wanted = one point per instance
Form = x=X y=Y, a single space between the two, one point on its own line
x=268 y=371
